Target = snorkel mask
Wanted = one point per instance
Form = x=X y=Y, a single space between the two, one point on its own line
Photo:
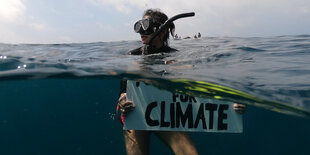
x=147 y=26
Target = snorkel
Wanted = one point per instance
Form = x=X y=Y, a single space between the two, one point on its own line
x=149 y=48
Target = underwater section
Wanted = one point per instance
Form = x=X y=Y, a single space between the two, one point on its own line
x=77 y=116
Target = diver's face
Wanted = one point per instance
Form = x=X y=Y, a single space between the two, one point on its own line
x=145 y=38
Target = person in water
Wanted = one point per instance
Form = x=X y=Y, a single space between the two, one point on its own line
x=153 y=19
x=137 y=141
x=199 y=35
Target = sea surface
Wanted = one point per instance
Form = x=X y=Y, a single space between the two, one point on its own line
x=61 y=98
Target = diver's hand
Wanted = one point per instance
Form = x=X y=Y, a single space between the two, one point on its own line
x=125 y=105
x=240 y=108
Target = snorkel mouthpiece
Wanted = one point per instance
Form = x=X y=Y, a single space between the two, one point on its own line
x=148 y=49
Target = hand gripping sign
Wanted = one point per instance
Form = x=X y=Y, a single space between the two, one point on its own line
x=162 y=110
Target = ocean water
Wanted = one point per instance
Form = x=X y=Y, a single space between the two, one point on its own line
x=61 y=98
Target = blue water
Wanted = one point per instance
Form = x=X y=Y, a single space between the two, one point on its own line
x=60 y=98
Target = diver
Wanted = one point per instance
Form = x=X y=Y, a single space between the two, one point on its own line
x=137 y=141
x=199 y=35
x=150 y=23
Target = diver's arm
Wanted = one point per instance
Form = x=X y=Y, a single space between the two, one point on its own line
x=123 y=86
x=125 y=105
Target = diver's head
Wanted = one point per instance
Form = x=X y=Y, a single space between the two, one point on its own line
x=151 y=21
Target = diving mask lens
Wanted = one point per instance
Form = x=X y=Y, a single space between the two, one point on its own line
x=145 y=24
x=137 y=26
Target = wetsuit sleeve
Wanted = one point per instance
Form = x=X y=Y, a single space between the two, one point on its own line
x=136 y=51
x=123 y=86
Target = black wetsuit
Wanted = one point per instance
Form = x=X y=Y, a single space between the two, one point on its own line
x=163 y=49
x=139 y=51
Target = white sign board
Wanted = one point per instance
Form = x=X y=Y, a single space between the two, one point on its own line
x=162 y=110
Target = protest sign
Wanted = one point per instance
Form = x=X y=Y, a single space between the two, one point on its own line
x=162 y=110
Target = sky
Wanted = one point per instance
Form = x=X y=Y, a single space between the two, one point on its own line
x=80 y=21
